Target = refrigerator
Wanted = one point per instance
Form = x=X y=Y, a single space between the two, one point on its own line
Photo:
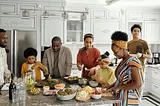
x=18 y=41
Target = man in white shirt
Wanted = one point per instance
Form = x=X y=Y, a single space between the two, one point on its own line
x=4 y=72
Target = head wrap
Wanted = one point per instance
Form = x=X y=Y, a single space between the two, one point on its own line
x=120 y=43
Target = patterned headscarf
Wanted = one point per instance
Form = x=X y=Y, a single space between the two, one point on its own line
x=120 y=43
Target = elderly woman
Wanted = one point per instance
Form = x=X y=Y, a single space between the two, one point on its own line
x=88 y=56
x=128 y=72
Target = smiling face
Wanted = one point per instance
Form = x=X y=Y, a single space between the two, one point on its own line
x=56 y=45
x=136 y=32
x=3 y=39
x=118 y=52
x=88 y=42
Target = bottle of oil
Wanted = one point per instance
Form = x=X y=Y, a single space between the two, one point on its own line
x=12 y=88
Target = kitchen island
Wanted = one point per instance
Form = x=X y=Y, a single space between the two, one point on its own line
x=41 y=100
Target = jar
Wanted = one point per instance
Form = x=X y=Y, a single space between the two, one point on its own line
x=29 y=80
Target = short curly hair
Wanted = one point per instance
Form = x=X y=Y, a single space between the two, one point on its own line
x=119 y=35
x=136 y=26
x=30 y=52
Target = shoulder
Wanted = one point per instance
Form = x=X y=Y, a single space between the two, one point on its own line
x=25 y=63
x=134 y=61
x=95 y=49
x=130 y=42
x=38 y=62
x=81 y=49
x=48 y=50
x=64 y=48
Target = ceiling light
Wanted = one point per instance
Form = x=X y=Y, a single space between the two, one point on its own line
x=83 y=16
x=25 y=13
x=65 y=15
x=45 y=14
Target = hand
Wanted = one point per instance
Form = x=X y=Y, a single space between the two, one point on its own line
x=139 y=55
x=34 y=66
x=92 y=72
x=79 y=66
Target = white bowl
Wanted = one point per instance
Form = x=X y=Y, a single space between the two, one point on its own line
x=96 y=96
x=93 y=83
x=67 y=97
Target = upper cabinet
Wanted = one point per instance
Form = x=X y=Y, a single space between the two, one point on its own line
x=18 y=22
x=114 y=14
x=152 y=32
x=103 y=29
x=8 y=8
x=98 y=13
x=50 y=27
x=151 y=16
x=134 y=15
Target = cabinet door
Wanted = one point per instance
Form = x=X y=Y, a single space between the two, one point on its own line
x=27 y=6
x=113 y=14
x=155 y=88
x=17 y=22
x=8 y=8
x=134 y=15
x=52 y=26
x=98 y=13
x=103 y=29
x=152 y=32
x=152 y=16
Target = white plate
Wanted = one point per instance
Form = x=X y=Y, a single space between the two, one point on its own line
x=6 y=87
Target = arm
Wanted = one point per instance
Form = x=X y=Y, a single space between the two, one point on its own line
x=79 y=61
x=137 y=82
x=45 y=61
x=148 y=54
x=41 y=66
x=68 y=62
x=7 y=74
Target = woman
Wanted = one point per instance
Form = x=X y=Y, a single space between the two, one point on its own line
x=128 y=72
x=88 y=56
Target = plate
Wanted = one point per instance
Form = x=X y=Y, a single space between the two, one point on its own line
x=50 y=92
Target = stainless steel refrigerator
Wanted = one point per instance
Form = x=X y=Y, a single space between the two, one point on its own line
x=18 y=41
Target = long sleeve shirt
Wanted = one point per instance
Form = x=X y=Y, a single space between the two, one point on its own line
x=4 y=72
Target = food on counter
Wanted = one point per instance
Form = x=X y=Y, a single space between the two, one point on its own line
x=71 y=79
x=59 y=86
x=67 y=91
x=49 y=79
x=106 y=93
x=83 y=94
x=50 y=92
x=82 y=81
x=96 y=94
x=35 y=91
x=93 y=83
x=46 y=88
x=55 y=81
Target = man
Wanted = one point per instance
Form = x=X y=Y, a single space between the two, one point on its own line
x=138 y=47
x=4 y=72
x=58 y=59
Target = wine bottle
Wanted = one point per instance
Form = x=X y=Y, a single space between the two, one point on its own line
x=12 y=88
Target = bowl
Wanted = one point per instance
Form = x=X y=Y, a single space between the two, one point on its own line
x=66 y=97
x=93 y=83
x=82 y=81
x=46 y=88
x=96 y=96
x=59 y=86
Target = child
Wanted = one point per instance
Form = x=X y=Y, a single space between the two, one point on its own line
x=32 y=65
x=104 y=75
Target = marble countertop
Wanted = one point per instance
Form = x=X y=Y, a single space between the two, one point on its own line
x=41 y=100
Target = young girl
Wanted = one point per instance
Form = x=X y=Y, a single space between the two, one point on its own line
x=32 y=65
x=104 y=75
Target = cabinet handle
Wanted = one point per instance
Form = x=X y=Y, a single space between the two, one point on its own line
x=156 y=72
x=156 y=86
x=5 y=13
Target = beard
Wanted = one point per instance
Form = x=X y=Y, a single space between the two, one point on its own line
x=3 y=46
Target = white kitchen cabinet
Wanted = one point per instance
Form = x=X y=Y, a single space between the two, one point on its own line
x=152 y=32
x=27 y=6
x=18 y=22
x=134 y=15
x=102 y=30
x=152 y=16
x=8 y=8
x=50 y=27
x=113 y=14
x=98 y=13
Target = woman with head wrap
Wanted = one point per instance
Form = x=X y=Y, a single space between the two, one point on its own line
x=128 y=73
x=32 y=65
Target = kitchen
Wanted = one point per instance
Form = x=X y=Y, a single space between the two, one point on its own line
x=99 y=17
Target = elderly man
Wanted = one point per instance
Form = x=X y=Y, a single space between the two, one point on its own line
x=4 y=72
x=58 y=59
